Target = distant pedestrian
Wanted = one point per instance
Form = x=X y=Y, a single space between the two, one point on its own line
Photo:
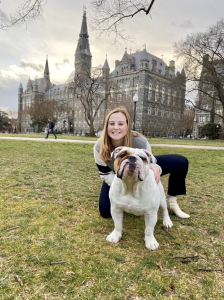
x=50 y=128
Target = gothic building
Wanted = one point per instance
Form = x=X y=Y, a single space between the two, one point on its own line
x=207 y=98
x=159 y=89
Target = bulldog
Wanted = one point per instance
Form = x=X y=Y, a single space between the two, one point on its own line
x=134 y=190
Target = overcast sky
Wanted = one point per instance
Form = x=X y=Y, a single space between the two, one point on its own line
x=23 y=49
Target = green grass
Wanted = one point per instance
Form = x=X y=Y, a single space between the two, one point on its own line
x=49 y=194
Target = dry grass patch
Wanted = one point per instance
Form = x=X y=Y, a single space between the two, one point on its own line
x=49 y=213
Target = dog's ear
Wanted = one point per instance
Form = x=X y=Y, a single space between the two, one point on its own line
x=152 y=158
x=116 y=151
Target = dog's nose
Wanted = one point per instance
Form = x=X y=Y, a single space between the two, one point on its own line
x=132 y=158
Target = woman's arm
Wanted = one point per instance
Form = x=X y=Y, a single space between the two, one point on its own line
x=154 y=167
x=105 y=172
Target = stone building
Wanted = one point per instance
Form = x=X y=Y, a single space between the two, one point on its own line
x=159 y=89
x=211 y=107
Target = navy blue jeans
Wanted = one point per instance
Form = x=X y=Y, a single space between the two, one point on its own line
x=173 y=164
x=52 y=130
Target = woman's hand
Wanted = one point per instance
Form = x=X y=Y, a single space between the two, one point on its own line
x=156 y=172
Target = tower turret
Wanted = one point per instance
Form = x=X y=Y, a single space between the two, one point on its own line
x=83 y=56
x=106 y=68
x=35 y=86
x=47 y=76
x=20 y=101
x=20 y=89
x=29 y=86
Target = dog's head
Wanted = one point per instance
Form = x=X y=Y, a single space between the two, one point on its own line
x=132 y=162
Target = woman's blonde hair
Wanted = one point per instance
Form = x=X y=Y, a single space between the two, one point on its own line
x=106 y=146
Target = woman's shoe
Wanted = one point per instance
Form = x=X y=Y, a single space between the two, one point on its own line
x=174 y=207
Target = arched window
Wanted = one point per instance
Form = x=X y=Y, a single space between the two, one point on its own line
x=150 y=92
x=157 y=93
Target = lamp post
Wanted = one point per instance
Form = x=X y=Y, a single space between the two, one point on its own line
x=135 y=99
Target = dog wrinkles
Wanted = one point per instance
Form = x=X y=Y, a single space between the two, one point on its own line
x=134 y=190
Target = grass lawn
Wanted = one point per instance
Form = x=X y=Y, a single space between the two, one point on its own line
x=216 y=143
x=49 y=213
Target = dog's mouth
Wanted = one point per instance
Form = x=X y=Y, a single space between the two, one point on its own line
x=130 y=169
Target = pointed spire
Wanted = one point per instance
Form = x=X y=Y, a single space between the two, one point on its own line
x=183 y=72
x=20 y=86
x=46 y=70
x=83 y=43
x=106 y=65
x=29 y=84
x=35 y=85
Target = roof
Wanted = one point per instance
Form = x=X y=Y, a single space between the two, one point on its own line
x=58 y=89
x=106 y=65
x=46 y=70
x=83 y=42
x=137 y=56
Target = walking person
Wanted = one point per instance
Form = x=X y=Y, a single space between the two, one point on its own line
x=50 y=128
x=117 y=132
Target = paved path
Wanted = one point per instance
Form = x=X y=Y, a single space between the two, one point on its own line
x=93 y=142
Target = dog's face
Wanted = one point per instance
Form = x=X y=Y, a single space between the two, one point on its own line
x=132 y=162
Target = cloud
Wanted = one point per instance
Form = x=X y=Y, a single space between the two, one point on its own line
x=64 y=62
x=28 y=65
x=187 y=24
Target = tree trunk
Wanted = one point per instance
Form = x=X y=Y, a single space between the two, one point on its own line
x=212 y=113
x=91 y=129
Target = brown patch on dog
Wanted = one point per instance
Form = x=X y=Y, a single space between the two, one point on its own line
x=121 y=156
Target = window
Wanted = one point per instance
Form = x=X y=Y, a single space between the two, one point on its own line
x=149 y=110
x=202 y=119
x=150 y=92
x=157 y=93
x=205 y=106
x=169 y=96
x=163 y=94
x=218 y=111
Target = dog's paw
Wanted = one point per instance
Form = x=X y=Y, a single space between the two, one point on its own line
x=167 y=222
x=151 y=243
x=114 y=237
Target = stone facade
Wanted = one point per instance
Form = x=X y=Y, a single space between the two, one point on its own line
x=161 y=101
x=210 y=106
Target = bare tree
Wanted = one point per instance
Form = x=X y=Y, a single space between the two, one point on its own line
x=3 y=120
x=27 y=11
x=202 y=55
x=42 y=108
x=13 y=117
x=118 y=97
x=110 y=15
x=187 y=124
x=92 y=88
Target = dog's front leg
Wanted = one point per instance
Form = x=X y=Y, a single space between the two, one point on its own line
x=115 y=235
x=150 y=241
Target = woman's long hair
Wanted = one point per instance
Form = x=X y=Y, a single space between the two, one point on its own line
x=106 y=146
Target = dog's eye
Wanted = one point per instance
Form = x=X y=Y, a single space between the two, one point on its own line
x=122 y=155
x=143 y=158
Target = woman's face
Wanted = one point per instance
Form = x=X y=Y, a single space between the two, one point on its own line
x=117 y=127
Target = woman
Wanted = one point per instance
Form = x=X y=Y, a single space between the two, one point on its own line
x=117 y=132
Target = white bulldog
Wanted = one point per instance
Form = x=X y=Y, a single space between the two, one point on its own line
x=134 y=190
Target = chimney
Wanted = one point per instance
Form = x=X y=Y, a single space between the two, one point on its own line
x=172 y=66
x=167 y=71
x=116 y=63
x=154 y=65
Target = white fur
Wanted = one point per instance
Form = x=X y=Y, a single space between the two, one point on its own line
x=138 y=197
